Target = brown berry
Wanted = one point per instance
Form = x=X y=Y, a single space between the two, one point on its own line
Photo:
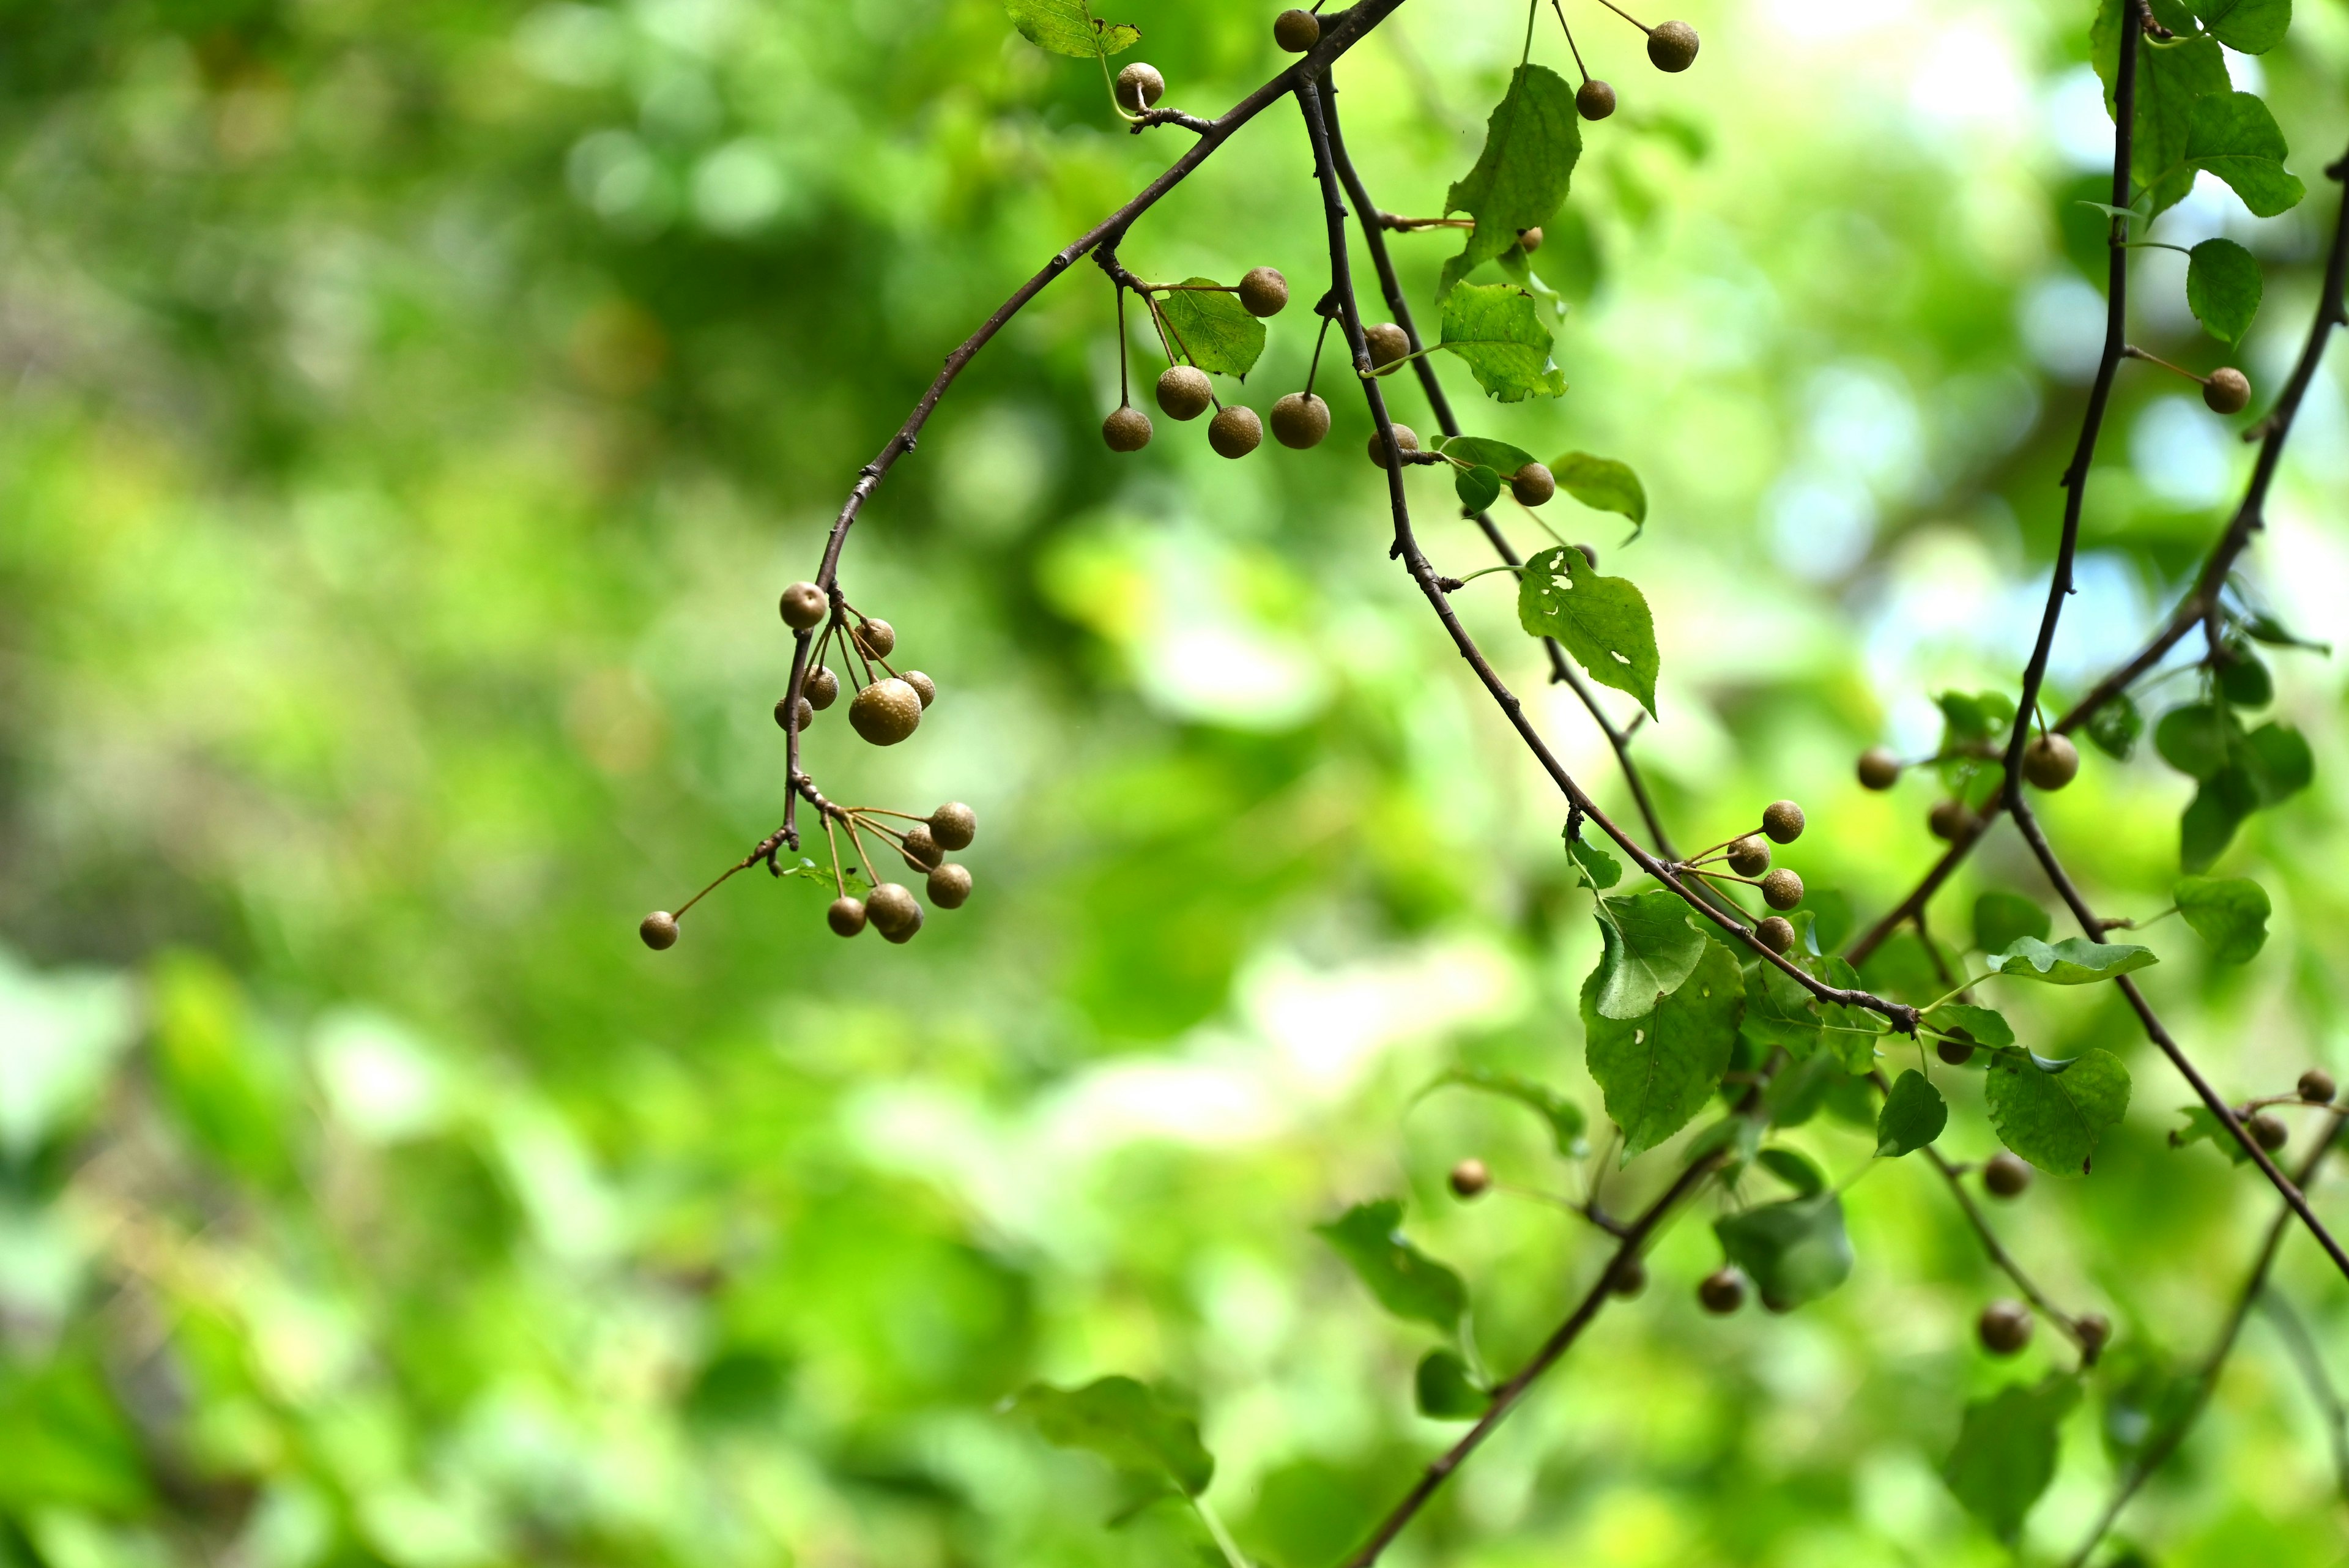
x=2005 y=1175
x=924 y=686
x=1594 y=99
x=949 y=886
x=892 y=909
x=2316 y=1087
x=658 y=930
x=954 y=825
x=2095 y=1332
x=1749 y=856
x=1235 y=431
x=1628 y=1278
x=2267 y=1131
x=804 y=605
x=1138 y=87
x=2004 y=1327
x=2228 y=391
x=1878 y=768
x=1263 y=291
x=1529 y=240
x=1957 y=1050
x=1469 y=1179
x=1782 y=889
x=1782 y=820
x=846 y=916
x=922 y=848
x=1299 y=421
x=1387 y=342
x=1127 y=429
x=1776 y=932
x=1406 y=438
x=1721 y=1291
x=886 y=711
x=2051 y=762
x=1184 y=392
x=1951 y=820
x=783 y=710
x=1533 y=484
x=878 y=638
x=1672 y=46
x=1590 y=553
x=1297 y=31
x=820 y=687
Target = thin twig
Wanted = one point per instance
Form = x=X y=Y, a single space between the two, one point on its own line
x=2309 y=1358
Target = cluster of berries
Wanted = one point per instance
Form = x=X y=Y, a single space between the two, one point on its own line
x=887 y=707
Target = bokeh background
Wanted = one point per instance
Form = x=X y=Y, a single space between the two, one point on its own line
x=411 y=412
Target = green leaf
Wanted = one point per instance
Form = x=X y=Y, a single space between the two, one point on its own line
x=1496 y=455
x=1068 y=27
x=2243 y=678
x=1127 y=1423
x=1444 y=1389
x=2246 y=26
x=1406 y=1280
x=2202 y=1123
x=1602 y=621
x=1658 y=1071
x=2233 y=136
x=2074 y=961
x=1531 y=143
x=1806 y=1179
x=1602 y=867
x=2006 y=1451
x=1650 y=948
x=1565 y=1117
x=1602 y=484
x=1974 y=718
x=2274 y=632
x=2276 y=758
x=1211 y=328
x=1496 y=329
x=2115 y=727
x=1477 y=487
x=2222 y=288
x=2208 y=823
x=2230 y=913
x=2170 y=77
x=1988 y=1026
x=1914 y=1115
x=1779 y=1012
x=1793 y=1251
x=2197 y=740
x=2054 y=1116
x=2000 y=917
x=1795 y=1096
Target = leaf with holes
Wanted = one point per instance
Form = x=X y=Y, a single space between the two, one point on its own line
x=1914 y=1115
x=1068 y=27
x=1602 y=621
x=1127 y=1423
x=1211 y=328
x=1565 y=1117
x=2230 y=913
x=1406 y=1280
x=2006 y=1451
x=2222 y=288
x=1658 y=1071
x=1531 y=144
x=2233 y=136
x=2054 y=1116
x=1496 y=329
x=1650 y=949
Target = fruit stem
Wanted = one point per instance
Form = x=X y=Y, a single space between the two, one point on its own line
x=872 y=871
x=1124 y=349
x=1485 y=572
x=1569 y=41
x=1314 y=369
x=1627 y=16
x=2131 y=351
x=1394 y=365
x=833 y=839
x=1166 y=327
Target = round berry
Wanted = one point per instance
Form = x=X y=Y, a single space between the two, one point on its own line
x=2004 y=1327
x=1782 y=889
x=2228 y=392
x=2316 y=1087
x=1138 y=87
x=2267 y=1131
x=1672 y=46
x=1184 y=392
x=922 y=848
x=1878 y=768
x=1590 y=553
x=1235 y=431
x=924 y=686
x=1721 y=1291
x=658 y=930
x=949 y=886
x=1406 y=439
x=1469 y=1179
x=2095 y=1332
x=2005 y=1175
x=1951 y=820
x=878 y=638
x=892 y=909
x=1594 y=99
x=1776 y=932
x=1533 y=484
x=820 y=686
x=954 y=825
x=2051 y=762
x=782 y=709
x=1296 y=31
x=1529 y=240
x=1749 y=856
x=1387 y=342
x=804 y=605
x=1127 y=429
x=1628 y=1278
x=1957 y=1050
x=1299 y=421
x=846 y=916
x=1263 y=291
x=1781 y=819
x=886 y=711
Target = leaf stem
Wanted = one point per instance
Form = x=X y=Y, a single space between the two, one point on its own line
x=1224 y=1542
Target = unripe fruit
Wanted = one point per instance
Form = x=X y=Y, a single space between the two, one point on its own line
x=924 y=686
x=1878 y=768
x=1782 y=889
x=1957 y=1051
x=1297 y=31
x=820 y=687
x=1406 y=438
x=658 y=930
x=1749 y=856
x=1138 y=87
x=886 y=711
x=1533 y=484
x=1594 y=99
x=2268 y=1132
x=1127 y=429
x=1387 y=342
x=954 y=825
x=949 y=886
x=1263 y=291
x=1183 y=391
x=2228 y=392
x=1299 y=421
x=1469 y=1179
x=878 y=638
x=1235 y=431
x=1951 y=820
x=1529 y=240
x=2316 y=1087
x=2051 y=762
x=1628 y=1278
x=892 y=909
x=846 y=916
x=805 y=607
x=922 y=848
x=782 y=707
x=2005 y=1175
x=1776 y=933
x=2095 y=1332
x=1672 y=46
x=1721 y=1291
x=1781 y=819
x=2004 y=1327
